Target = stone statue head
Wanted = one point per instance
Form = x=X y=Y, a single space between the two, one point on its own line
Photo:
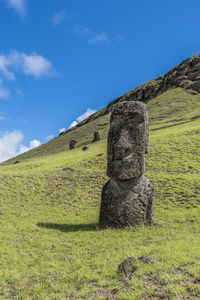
x=127 y=140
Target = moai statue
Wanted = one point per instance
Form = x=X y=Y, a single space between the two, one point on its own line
x=128 y=196
x=96 y=137
x=72 y=144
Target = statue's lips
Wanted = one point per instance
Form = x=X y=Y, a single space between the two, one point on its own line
x=124 y=158
x=126 y=167
x=121 y=165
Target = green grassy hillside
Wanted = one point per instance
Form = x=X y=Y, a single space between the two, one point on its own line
x=51 y=246
x=173 y=107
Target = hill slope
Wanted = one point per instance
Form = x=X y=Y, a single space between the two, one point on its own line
x=51 y=247
x=180 y=88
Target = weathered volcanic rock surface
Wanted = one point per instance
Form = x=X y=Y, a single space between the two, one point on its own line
x=128 y=197
x=125 y=205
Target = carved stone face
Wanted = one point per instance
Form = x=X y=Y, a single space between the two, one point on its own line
x=127 y=140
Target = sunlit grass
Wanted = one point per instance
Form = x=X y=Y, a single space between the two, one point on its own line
x=51 y=246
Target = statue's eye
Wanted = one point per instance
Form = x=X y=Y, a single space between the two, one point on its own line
x=134 y=119
x=137 y=118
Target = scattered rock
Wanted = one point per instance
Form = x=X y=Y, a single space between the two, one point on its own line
x=114 y=291
x=96 y=137
x=72 y=144
x=100 y=154
x=68 y=169
x=128 y=266
x=16 y=162
x=85 y=148
x=145 y=258
x=190 y=220
x=157 y=224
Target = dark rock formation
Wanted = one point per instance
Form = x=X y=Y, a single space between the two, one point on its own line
x=85 y=148
x=100 y=154
x=96 y=137
x=68 y=169
x=131 y=264
x=128 y=266
x=128 y=197
x=185 y=75
x=72 y=144
x=144 y=258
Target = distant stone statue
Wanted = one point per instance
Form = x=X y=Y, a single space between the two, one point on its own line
x=72 y=144
x=128 y=196
x=96 y=137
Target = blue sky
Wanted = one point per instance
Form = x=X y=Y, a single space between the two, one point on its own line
x=62 y=60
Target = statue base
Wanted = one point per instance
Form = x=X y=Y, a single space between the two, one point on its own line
x=127 y=203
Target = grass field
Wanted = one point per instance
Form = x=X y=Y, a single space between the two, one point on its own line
x=51 y=246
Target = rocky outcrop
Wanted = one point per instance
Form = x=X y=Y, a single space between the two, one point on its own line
x=185 y=75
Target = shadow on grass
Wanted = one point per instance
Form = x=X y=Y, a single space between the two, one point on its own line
x=70 y=227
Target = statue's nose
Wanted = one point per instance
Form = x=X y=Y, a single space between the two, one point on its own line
x=124 y=140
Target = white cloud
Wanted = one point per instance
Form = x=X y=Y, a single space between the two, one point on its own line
x=4 y=92
x=19 y=6
x=2 y=116
x=88 y=113
x=32 y=64
x=49 y=137
x=98 y=38
x=29 y=64
x=81 y=30
x=61 y=130
x=19 y=92
x=36 y=65
x=59 y=17
x=74 y=123
x=10 y=145
x=92 y=38
x=4 y=64
x=33 y=144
